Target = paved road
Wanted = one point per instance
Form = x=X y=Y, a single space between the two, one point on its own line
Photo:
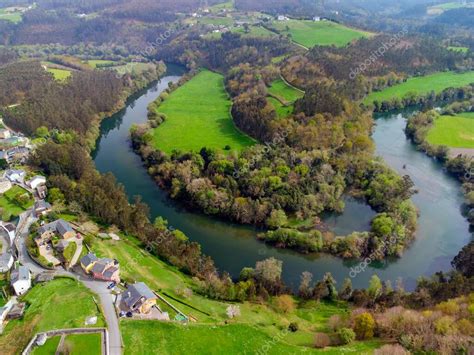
x=98 y=287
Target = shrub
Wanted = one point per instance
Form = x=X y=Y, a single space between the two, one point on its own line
x=346 y=335
x=390 y=349
x=364 y=325
x=284 y=303
x=449 y=307
x=444 y=325
x=293 y=327
x=465 y=327
x=321 y=340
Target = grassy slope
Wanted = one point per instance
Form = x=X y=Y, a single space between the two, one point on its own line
x=198 y=115
x=138 y=265
x=49 y=348
x=286 y=94
x=423 y=85
x=453 y=131
x=323 y=33
x=458 y=49
x=14 y=17
x=8 y=204
x=94 y=62
x=60 y=74
x=73 y=303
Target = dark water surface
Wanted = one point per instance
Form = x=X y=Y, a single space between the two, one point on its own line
x=442 y=229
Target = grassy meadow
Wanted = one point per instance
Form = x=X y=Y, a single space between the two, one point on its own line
x=198 y=115
x=282 y=97
x=458 y=49
x=453 y=131
x=90 y=344
x=10 y=206
x=12 y=16
x=322 y=33
x=257 y=324
x=96 y=62
x=72 y=301
x=422 y=85
x=60 y=74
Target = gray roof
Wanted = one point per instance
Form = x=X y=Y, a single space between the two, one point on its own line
x=10 y=227
x=20 y=273
x=60 y=226
x=101 y=265
x=88 y=259
x=110 y=272
x=135 y=292
x=42 y=204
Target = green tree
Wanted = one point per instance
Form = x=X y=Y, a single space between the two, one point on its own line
x=375 y=287
x=364 y=325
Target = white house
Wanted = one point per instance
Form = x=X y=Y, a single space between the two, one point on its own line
x=316 y=18
x=21 y=280
x=15 y=175
x=282 y=18
x=5 y=134
x=5 y=185
x=6 y=262
x=36 y=181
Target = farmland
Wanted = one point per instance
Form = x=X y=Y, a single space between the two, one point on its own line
x=72 y=304
x=198 y=115
x=322 y=33
x=423 y=85
x=9 y=15
x=453 y=131
x=14 y=202
x=282 y=97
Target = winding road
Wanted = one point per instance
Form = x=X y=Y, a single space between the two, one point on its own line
x=97 y=287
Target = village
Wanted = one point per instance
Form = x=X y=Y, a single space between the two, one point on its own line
x=37 y=245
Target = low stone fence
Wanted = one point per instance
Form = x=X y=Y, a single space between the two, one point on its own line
x=52 y=333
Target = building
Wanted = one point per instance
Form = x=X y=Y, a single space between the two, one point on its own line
x=6 y=262
x=138 y=298
x=10 y=228
x=41 y=208
x=36 y=181
x=15 y=175
x=21 y=280
x=316 y=18
x=5 y=133
x=42 y=191
x=59 y=227
x=101 y=269
x=5 y=185
x=282 y=18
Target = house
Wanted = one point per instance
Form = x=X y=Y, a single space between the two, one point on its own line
x=138 y=298
x=282 y=18
x=59 y=227
x=62 y=245
x=101 y=269
x=41 y=208
x=316 y=18
x=5 y=310
x=88 y=261
x=36 y=181
x=42 y=191
x=6 y=262
x=17 y=311
x=20 y=280
x=15 y=175
x=5 y=185
x=5 y=133
x=10 y=228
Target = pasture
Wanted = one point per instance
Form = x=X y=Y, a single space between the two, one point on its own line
x=453 y=131
x=282 y=97
x=197 y=116
x=422 y=85
x=322 y=33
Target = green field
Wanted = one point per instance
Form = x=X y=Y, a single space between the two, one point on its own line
x=14 y=17
x=49 y=348
x=90 y=344
x=282 y=97
x=322 y=33
x=458 y=49
x=95 y=62
x=132 y=67
x=198 y=115
x=422 y=85
x=73 y=303
x=253 y=31
x=216 y=21
x=60 y=74
x=450 y=6
x=453 y=131
x=169 y=338
x=10 y=206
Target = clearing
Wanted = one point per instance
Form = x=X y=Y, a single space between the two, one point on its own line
x=72 y=301
x=197 y=116
x=453 y=131
x=11 y=15
x=321 y=33
x=422 y=85
x=282 y=97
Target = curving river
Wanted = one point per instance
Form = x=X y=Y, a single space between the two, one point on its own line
x=442 y=230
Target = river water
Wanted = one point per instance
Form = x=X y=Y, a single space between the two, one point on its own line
x=442 y=230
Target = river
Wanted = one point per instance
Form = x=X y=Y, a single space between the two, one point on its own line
x=442 y=230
